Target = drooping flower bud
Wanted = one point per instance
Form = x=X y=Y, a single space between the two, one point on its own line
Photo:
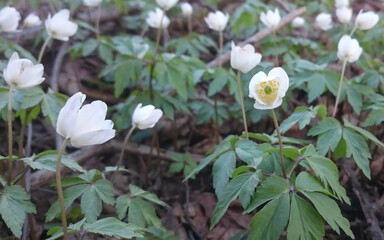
x=348 y=49
x=59 y=27
x=217 y=20
x=146 y=117
x=244 y=58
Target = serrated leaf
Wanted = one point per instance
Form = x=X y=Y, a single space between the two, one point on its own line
x=327 y=171
x=271 y=188
x=142 y=213
x=31 y=97
x=249 y=152
x=51 y=105
x=122 y=205
x=375 y=117
x=309 y=183
x=316 y=86
x=90 y=204
x=219 y=81
x=330 y=211
x=222 y=170
x=136 y=191
x=304 y=221
x=47 y=160
x=14 y=206
x=105 y=191
x=270 y=221
x=243 y=186
x=355 y=99
x=365 y=133
x=330 y=133
x=358 y=148
x=302 y=116
x=112 y=227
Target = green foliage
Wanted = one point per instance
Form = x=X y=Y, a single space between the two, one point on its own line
x=51 y=105
x=182 y=163
x=14 y=206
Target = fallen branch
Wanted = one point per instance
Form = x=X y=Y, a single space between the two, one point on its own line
x=258 y=36
x=366 y=205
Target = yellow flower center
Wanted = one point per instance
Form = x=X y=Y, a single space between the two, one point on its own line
x=267 y=91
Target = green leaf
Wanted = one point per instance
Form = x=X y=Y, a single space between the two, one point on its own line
x=113 y=227
x=302 y=116
x=51 y=105
x=219 y=81
x=270 y=221
x=330 y=211
x=243 y=185
x=271 y=188
x=123 y=74
x=14 y=206
x=31 y=97
x=3 y=97
x=327 y=171
x=122 y=205
x=375 y=117
x=316 y=86
x=355 y=99
x=358 y=148
x=142 y=213
x=222 y=170
x=364 y=132
x=304 y=221
x=47 y=160
x=330 y=133
x=309 y=183
x=176 y=75
x=249 y=152
x=136 y=191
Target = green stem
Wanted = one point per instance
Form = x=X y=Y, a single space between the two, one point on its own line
x=43 y=49
x=122 y=152
x=10 y=140
x=353 y=30
x=190 y=25
x=292 y=167
x=22 y=133
x=60 y=189
x=221 y=40
x=280 y=142
x=239 y=87
x=339 y=90
x=158 y=36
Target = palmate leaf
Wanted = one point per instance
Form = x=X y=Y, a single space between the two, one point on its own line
x=14 y=206
x=327 y=171
x=243 y=185
x=304 y=221
x=375 y=117
x=358 y=148
x=329 y=134
x=307 y=182
x=364 y=133
x=271 y=188
x=249 y=152
x=142 y=213
x=270 y=221
x=330 y=211
x=302 y=116
x=113 y=227
x=222 y=171
x=136 y=191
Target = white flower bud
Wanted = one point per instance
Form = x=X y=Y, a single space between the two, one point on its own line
x=366 y=20
x=324 y=21
x=344 y=14
x=348 y=49
x=217 y=20
x=59 y=27
x=9 y=19
x=244 y=58
x=146 y=117
x=186 y=9
x=166 y=4
x=32 y=20
x=158 y=19
x=298 y=22
x=271 y=19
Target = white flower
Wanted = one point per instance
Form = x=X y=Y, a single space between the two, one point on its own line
x=166 y=4
x=84 y=125
x=186 y=9
x=270 y=19
x=92 y=3
x=146 y=117
x=268 y=91
x=324 y=21
x=298 y=22
x=244 y=58
x=22 y=73
x=366 y=20
x=348 y=49
x=158 y=19
x=59 y=27
x=217 y=20
x=32 y=20
x=9 y=19
x=344 y=14
x=341 y=3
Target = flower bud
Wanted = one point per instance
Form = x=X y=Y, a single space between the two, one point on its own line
x=344 y=14
x=270 y=19
x=146 y=117
x=92 y=3
x=341 y=3
x=32 y=20
x=324 y=21
x=84 y=125
x=166 y=4
x=9 y=19
x=298 y=22
x=348 y=49
x=22 y=73
x=217 y=20
x=59 y=27
x=366 y=20
x=268 y=91
x=244 y=58
x=186 y=9
x=158 y=19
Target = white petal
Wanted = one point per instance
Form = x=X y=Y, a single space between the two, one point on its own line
x=261 y=106
x=67 y=118
x=279 y=74
x=92 y=138
x=258 y=77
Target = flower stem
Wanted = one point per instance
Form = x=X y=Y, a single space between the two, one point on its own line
x=189 y=25
x=60 y=189
x=280 y=142
x=10 y=140
x=339 y=90
x=239 y=87
x=275 y=47
x=43 y=49
x=353 y=30
x=158 y=36
x=22 y=133
x=221 y=40
x=122 y=152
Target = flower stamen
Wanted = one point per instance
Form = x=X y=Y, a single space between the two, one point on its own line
x=267 y=91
